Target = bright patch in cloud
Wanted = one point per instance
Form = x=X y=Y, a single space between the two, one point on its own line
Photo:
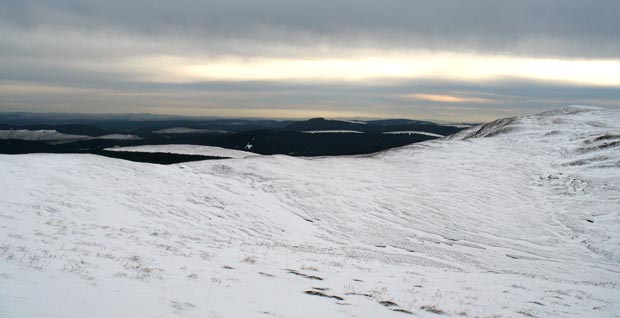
x=454 y=66
x=447 y=98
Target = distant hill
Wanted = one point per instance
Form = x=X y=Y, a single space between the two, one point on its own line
x=374 y=126
x=313 y=137
x=327 y=124
x=390 y=122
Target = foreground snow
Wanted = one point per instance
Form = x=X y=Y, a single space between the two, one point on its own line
x=521 y=223
x=188 y=150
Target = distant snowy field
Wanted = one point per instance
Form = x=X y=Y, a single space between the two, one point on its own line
x=517 y=218
x=188 y=150
x=55 y=136
x=411 y=132
x=38 y=135
x=332 y=132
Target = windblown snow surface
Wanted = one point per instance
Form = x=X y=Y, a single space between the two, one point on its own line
x=517 y=218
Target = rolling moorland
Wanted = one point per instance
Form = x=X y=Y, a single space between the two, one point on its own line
x=52 y=133
x=515 y=218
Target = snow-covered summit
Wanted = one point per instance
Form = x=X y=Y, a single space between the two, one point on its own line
x=570 y=110
x=585 y=119
x=518 y=218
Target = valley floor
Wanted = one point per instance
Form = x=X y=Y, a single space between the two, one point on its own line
x=521 y=223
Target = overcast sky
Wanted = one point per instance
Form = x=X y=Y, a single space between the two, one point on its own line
x=455 y=60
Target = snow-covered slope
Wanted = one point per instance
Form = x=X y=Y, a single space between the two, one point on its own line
x=188 y=150
x=520 y=223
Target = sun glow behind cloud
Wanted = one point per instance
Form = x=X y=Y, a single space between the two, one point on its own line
x=453 y=66
x=347 y=83
x=443 y=98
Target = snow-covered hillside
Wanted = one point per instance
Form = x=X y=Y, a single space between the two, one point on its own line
x=517 y=218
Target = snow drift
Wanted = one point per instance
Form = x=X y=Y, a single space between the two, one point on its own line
x=516 y=218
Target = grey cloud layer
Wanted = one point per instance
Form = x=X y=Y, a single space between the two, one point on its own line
x=574 y=28
x=375 y=99
x=78 y=47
